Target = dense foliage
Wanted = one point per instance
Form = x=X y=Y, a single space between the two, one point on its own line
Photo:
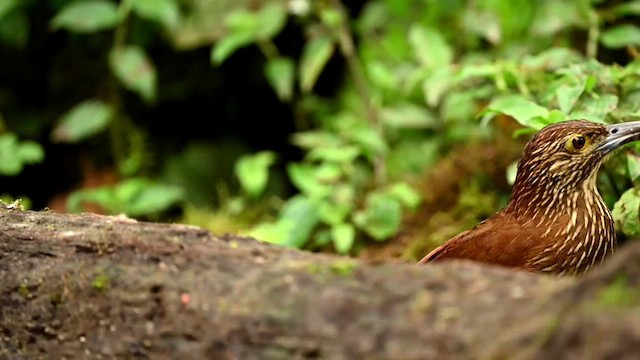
x=414 y=80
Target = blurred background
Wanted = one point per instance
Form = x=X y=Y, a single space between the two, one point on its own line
x=375 y=128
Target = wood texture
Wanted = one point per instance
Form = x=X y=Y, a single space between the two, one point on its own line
x=88 y=286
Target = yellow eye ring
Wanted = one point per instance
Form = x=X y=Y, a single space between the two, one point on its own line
x=576 y=143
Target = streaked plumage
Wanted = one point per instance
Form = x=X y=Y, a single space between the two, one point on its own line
x=556 y=220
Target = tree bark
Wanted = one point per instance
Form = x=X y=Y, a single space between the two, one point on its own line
x=89 y=286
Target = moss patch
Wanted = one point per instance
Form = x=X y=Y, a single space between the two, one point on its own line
x=340 y=267
x=618 y=294
x=100 y=282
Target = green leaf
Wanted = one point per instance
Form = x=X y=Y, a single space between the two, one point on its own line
x=343 y=236
x=487 y=23
x=228 y=45
x=519 y=108
x=321 y=238
x=552 y=17
x=134 y=197
x=381 y=216
x=102 y=196
x=410 y=156
x=522 y=132
x=243 y=21
x=343 y=154
x=405 y=194
x=328 y=172
x=14 y=29
x=596 y=108
x=436 y=85
x=303 y=177
x=331 y=17
x=408 y=116
x=294 y=226
x=271 y=19
x=375 y=15
x=280 y=74
x=555 y=116
x=6 y=6
x=628 y=8
x=633 y=166
x=471 y=71
x=430 y=47
x=134 y=160
x=165 y=12
x=512 y=172
x=135 y=71
x=621 y=36
x=315 y=55
x=590 y=83
x=86 y=16
x=626 y=213
x=30 y=152
x=272 y=232
x=333 y=213
x=344 y=194
x=84 y=120
x=458 y=107
x=257 y=25
x=368 y=139
x=394 y=41
x=381 y=75
x=302 y=213
x=316 y=138
x=553 y=58
x=568 y=95
x=151 y=197
x=246 y=27
x=14 y=155
x=144 y=197
x=253 y=172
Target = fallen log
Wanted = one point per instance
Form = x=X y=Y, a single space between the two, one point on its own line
x=90 y=286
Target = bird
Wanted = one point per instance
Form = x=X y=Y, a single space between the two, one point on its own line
x=555 y=221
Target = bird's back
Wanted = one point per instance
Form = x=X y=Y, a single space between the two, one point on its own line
x=499 y=240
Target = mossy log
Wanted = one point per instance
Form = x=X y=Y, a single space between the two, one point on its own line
x=89 y=286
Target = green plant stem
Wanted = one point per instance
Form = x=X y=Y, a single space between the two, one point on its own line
x=116 y=127
x=500 y=81
x=347 y=48
x=520 y=81
x=593 y=34
x=612 y=182
x=268 y=48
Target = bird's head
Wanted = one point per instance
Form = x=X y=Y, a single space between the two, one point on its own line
x=566 y=156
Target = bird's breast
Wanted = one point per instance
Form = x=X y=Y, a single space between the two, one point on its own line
x=576 y=240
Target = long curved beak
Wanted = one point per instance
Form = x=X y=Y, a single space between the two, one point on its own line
x=620 y=134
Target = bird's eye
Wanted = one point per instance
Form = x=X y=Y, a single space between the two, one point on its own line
x=578 y=142
x=575 y=143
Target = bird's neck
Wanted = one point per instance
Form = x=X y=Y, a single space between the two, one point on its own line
x=575 y=224
x=547 y=199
